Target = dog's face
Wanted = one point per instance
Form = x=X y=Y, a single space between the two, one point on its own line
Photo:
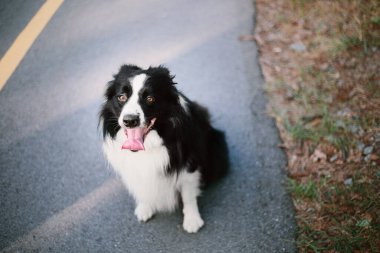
x=136 y=98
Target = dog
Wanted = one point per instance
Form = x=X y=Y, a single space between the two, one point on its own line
x=160 y=142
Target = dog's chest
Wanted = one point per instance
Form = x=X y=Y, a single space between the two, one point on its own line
x=143 y=172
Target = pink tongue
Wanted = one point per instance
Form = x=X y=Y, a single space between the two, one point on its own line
x=135 y=139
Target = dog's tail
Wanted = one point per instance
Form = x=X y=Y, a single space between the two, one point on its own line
x=218 y=160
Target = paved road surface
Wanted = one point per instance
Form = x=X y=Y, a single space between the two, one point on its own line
x=57 y=192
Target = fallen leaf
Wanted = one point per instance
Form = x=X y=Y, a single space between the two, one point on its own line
x=318 y=156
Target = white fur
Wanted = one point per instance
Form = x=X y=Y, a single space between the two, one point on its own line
x=183 y=103
x=132 y=106
x=143 y=173
x=189 y=187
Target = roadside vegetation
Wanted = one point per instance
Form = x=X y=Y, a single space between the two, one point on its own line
x=321 y=62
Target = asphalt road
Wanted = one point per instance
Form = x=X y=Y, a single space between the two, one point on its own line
x=57 y=192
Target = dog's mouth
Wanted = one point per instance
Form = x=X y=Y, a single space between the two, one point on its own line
x=136 y=136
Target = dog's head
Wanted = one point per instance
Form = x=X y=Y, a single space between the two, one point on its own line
x=136 y=98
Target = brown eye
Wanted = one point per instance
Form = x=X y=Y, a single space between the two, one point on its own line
x=150 y=99
x=122 y=98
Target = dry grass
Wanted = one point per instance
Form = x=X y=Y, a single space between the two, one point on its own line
x=355 y=21
x=321 y=61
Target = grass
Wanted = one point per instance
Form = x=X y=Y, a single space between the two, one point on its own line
x=300 y=133
x=345 y=229
x=358 y=25
x=348 y=42
x=326 y=101
x=308 y=189
x=330 y=129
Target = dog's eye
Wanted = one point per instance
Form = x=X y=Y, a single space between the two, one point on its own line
x=150 y=99
x=122 y=97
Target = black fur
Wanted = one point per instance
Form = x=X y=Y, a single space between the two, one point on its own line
x=191 y=141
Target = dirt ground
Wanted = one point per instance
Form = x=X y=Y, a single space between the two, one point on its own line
x=321 y=62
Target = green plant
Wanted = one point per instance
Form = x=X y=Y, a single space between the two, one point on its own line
x=347 y=42
x=308 y=189
x=300 y=133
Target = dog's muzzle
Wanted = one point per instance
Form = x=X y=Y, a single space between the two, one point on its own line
x=136 y=135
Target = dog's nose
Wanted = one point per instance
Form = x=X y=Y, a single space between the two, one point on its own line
x=131 y=120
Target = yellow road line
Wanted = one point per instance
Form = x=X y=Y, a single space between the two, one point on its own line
x=24 y=41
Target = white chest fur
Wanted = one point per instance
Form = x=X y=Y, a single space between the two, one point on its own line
x=143 y=172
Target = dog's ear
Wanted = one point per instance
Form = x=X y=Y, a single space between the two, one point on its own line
x=110 y=90
x=161 y=73
x=127 y=70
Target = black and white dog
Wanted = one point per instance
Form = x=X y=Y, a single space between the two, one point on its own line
x=160 y=143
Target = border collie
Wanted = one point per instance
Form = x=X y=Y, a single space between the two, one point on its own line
x=161 y=143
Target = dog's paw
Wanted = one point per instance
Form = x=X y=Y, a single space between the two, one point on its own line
x=143 y=212
x=192 y=223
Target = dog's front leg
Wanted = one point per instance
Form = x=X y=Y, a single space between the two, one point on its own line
x=143 y=212
x=192 y=220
